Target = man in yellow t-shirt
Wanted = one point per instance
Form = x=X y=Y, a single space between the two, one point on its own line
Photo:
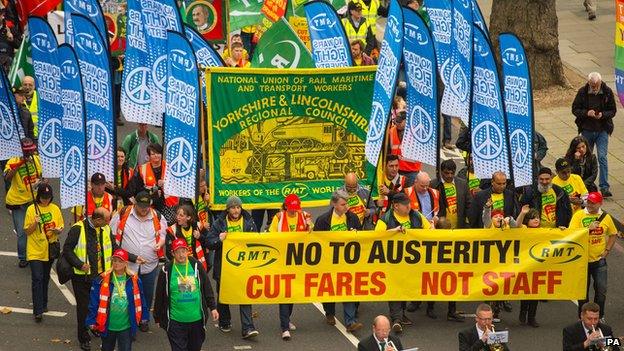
x=572 y=184
x=454 y=195
x=602 y=235
x=23 y=173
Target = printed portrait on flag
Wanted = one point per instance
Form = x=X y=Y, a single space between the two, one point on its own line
x=205 y=16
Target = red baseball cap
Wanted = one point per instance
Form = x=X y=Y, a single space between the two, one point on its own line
x=292 y=202
x=179 y=243
x=121 y=254
x=595 y=197
x=498 y=213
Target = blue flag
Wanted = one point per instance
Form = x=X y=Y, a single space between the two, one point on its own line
x=9 y=131
x=48 y=83
x=441 y=23
x=477 y=18
x=385 y=82
x=89 y=8
x=518 y=106
x=330 y=46
x=490 y=152
x=181 y=118
x=205 y=54
x=456 y=99
x=74 y=170
x=94 y=60
x=420 y=139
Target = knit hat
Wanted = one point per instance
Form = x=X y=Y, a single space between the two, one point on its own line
x=233 y=201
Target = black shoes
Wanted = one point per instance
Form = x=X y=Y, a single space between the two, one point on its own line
x=454 y=317
x=23 y=264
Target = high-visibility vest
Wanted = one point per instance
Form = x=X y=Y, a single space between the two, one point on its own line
x=353 y=33
x=370 y=13
x=107 y=203
x=123 y=218
x=199 y=250
x=282 y=224
x=415 y=203
x=395 y=149
x=147 y=174
x=34 y=112
x=81 y=248
x=102 y=312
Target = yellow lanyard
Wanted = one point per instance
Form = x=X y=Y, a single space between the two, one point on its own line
x=118 y=285
x=180 y=273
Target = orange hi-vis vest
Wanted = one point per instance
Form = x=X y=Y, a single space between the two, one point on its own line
x=101 y=317
x=415 y=203
x=395 y=149
x=147 y=174
x=107 y=203
x=199 y=250
x=123 y=218
x=302 y=226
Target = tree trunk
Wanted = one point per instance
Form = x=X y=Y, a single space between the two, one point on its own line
x=536 y=25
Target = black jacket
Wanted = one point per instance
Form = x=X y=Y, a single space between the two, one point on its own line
x=323 y=222
x=214 y=243
x=469 y=341
x=463 y=199
x=587 y=168
x=27 y=122
x=370 y=344
x=391 y=221
x=574 y=336
x=563 y=211
x=162 y=299
x=476 y=206
x=604 y=102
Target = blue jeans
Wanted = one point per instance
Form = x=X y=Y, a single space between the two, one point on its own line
x=225 y=318
x=348 y=308
x=40 y=274
x=598 y=272
x=123 y=339
x=285 y=311
x=19 y=215
x=601 y=140
x=149 y=282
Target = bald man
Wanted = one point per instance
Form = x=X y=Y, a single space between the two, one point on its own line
x=423 y=197
x=32 y=101
x=380 y=339
x=358 y=198
x=501 y=197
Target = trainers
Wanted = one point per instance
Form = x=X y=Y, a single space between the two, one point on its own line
x=225 y=328
x=354 y=326
x=250 y=334
x=606 y=193
x=591 y=16
x=285 y=335
x=397 y=327
x=291 y=326
x=331 y=320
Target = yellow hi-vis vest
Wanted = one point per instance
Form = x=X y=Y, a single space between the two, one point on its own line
x=355 y=34
x=34 y=112
x=81 y=248
x=370 y=13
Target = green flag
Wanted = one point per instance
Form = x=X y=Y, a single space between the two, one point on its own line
x=245 y=13
x=280 y=47
x=22 y=64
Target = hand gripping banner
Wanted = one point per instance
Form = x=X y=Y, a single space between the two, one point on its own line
x=420 y=139
x=9 y=131
x=385 y=82
x=89 y=8
x=456 y=98
x=48 y=83
x=490 y=149
x=93 y=56
x=73 y=173
x=205 y=54
x=330 y=45
x=441 y=23
x=181 y=118
x=518 y=106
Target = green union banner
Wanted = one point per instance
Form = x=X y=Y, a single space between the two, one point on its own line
x=273 y=132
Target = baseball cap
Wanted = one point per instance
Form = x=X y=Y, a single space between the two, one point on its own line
x=121 y=254
x=44 y=190
x=594 y=197
x=179 y=243
x=400 y=198
x=354 y=6
x=497 y=213
x=292 y=202
x=28 y=145
x=98 y=178
x=142 y=199
x=562 y=164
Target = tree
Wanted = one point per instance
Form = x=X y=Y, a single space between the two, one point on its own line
x=535 y=23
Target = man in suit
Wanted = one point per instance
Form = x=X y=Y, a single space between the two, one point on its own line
x=380 y=340
x=475 y=338
x=502 y=199
x=580 y=335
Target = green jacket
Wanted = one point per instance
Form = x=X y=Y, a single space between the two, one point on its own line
x=131 y=145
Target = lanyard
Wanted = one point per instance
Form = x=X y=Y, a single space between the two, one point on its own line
x=180 y=273
x=119 y=285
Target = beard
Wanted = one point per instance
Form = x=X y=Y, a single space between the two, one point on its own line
x=543 y=188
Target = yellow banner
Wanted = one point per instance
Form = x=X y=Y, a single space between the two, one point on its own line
x=423 y=265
